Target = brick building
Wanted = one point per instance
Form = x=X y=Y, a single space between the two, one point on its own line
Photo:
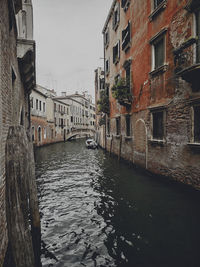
x=17 y=78
x=151 y=72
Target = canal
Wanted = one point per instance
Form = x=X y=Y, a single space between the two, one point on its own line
x=98 y=212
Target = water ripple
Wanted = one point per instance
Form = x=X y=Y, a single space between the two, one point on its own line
x=95 y=212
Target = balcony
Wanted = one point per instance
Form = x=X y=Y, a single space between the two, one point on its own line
x=187 y=63
x=26 y=59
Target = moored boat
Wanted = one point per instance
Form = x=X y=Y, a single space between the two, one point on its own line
x=90 y=143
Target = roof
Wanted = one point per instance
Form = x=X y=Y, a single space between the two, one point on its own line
x=109 y=15
x=60 y=98
x=37 y=91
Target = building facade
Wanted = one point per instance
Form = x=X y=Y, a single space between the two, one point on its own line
x=54 y=118
x=82 y=110
x=17 y=79
x=151 y=69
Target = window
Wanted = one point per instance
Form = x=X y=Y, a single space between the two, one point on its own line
x=31 y=102
x=116 y=53
x=107 y=89
x=158 y=125
x=43 y=107
x=157 y=3
x=118 y=126
x=33 y=133
x=36 y=103
x=22 y=117
x=128 y=76
x=116 y=16
x=106 y=38
x=108 y=126
x=40 y=105
x=102 y=81
x=55 y=122
x=54 y=106
x=13 y=79
x=128 y=125
x=196 y=110
x=107 y=66
x=125 y=4
x=158 y=50
x=126 y=38
x=39 y=134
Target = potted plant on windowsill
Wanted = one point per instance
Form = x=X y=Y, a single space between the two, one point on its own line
x=121 y=92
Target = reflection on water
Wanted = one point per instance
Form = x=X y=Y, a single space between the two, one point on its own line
x=97 y=212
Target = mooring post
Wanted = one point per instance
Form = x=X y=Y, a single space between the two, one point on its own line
x=21 y=197
x=120 y=147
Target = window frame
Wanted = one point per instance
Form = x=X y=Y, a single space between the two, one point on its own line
x=153 y=137
x=128 y=45
x=116 y=56
x=156 y=5
x=106 y=38
x=107 y=66
x=118 y=125
x=116 y=16
x=128 y=129
x=156 y=39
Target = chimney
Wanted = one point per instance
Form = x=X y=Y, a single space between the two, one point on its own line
x=63 y=94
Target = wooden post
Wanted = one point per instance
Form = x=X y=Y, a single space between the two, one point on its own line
x=120 y=147
x=21 y=197
x=111 y=142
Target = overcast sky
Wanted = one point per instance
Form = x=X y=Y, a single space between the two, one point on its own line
x=69 y=42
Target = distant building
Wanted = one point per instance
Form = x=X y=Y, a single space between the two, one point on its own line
x=82 y=110
x=99 y=89
x=54 y=117
x=152 y=70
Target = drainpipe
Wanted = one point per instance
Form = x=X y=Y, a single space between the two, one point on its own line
x=104 y=59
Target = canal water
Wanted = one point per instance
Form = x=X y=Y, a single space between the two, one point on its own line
x=96 y=212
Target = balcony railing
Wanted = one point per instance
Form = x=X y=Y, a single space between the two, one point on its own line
x=187 y=64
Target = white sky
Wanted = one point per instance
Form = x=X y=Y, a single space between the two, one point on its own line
x=69 y=42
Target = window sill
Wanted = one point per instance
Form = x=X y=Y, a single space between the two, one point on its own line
x=117 y=136
x=194 y=145
x=158 y=10
x=157 y=142
x=159 y=70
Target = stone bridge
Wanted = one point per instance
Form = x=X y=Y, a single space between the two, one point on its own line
x=80 y=132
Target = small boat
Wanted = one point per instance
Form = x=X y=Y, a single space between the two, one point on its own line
x=90 y=143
